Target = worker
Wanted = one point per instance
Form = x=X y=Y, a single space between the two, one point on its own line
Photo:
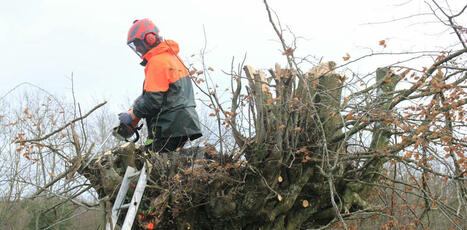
x=167 y=102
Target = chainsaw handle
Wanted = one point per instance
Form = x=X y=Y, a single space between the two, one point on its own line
x=135 y=130
x=125 y=132
x=136 y=138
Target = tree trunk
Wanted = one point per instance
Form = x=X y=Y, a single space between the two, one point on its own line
x=289 y=178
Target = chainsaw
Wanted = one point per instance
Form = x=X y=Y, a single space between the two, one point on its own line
x=125 y=132
x=122 y=132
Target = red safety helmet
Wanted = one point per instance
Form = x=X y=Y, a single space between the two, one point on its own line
x=143 y=35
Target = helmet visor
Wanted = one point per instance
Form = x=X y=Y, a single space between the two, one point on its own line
x=138 y=46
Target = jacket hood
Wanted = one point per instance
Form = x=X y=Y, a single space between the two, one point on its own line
x=167 y=46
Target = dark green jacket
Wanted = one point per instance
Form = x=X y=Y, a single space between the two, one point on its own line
x=167 y=102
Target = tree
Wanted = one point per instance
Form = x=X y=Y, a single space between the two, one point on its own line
x=312 y=149
x=38 y=188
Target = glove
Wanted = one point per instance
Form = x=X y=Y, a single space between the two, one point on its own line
x=123 y=132
x=125 y=118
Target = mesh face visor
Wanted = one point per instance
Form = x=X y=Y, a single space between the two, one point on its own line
x=139 y=47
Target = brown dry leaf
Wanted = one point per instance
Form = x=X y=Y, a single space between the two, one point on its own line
x=270 y=101
x=349 y=116
x=228 y=113
x=347 y=57
x=212 y=152
x=51 y=174
x=440 y=57
x=200 y=80
x=288 y=52
x=303 y=150
x=439 y=75
x=210 y=69
x=382 y=43
x=408 y=154
x=306 y=159
x=405 y=72
x=446 y=139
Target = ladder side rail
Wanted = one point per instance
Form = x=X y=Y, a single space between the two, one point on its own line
x=121 y=195
x=136 y=200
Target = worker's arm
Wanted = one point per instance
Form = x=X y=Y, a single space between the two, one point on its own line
x=148 y=104
x=156 y=85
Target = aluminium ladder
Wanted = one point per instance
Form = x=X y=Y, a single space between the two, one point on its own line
x=132 y=207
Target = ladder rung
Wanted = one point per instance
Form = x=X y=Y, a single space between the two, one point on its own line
x=124 y=206
x=135 y=200
x=131 y=175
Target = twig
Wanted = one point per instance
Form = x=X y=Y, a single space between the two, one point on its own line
x=63 y=127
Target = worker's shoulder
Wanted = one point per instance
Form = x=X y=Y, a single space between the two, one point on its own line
x=162 y=58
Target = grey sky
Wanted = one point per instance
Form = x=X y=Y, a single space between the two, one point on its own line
x=44 y=41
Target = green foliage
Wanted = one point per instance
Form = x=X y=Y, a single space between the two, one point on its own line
x=148 y=141
x=260 y=150
x=41 y=217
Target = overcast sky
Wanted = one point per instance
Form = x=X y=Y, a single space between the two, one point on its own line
x=44 y=41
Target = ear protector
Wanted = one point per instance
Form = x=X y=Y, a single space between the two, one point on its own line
x=150 y=39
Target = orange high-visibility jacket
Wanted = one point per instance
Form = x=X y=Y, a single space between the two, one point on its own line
x=167 y=101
